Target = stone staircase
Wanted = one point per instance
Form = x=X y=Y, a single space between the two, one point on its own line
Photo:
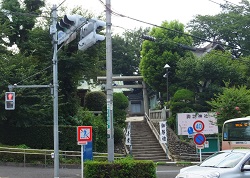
x=145 y=146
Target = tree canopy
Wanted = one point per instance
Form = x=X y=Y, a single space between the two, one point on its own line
x=165 y=50
x=230 y=27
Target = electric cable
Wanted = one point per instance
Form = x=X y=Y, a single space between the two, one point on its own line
x=176 y=31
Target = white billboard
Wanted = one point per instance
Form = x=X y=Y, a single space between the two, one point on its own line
x=186 y=121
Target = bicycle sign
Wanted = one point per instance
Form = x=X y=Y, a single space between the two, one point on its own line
x=198 y=126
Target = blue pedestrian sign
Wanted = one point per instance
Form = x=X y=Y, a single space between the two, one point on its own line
x=190 y=130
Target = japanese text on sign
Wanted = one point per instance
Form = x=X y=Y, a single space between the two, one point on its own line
x=186 y=120
x=163 y=132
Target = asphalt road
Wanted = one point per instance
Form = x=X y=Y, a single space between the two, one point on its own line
x=37 y=172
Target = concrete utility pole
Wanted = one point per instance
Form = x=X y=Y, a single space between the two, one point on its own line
x=109 y=86
x=55 y=93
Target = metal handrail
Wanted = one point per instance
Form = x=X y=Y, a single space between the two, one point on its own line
x=157 y=135
x=47 y=153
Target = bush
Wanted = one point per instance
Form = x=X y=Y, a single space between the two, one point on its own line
x=94 y=101
x=125 y=168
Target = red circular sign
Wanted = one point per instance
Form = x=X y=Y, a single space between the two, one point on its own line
x=198 y=126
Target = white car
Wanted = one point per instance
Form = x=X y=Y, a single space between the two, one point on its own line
x=223 y=164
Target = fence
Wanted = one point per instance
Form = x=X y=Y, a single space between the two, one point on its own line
x=45 y=157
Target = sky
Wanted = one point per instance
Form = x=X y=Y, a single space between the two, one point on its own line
x=154 y=12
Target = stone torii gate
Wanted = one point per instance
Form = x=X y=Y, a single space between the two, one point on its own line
x=131 y=78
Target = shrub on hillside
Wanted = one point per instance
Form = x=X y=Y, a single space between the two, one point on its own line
x=94 y=101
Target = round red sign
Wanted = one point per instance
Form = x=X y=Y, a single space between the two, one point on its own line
x=198 y=126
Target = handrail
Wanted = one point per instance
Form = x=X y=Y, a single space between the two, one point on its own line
x=125 y=146
x=157 y=135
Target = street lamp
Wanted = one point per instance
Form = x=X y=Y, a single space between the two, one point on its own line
x=166 y=76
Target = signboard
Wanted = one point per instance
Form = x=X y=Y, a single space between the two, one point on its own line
x=128 y=134
x=199 y=139
x=84 y=133
x=88 y=151
x=186 y=120
x=163 y=132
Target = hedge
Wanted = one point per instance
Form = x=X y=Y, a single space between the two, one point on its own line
x=125 y=168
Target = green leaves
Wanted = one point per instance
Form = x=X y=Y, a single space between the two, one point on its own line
x=231 y=103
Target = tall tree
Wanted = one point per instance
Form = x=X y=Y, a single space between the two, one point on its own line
x=165 y=50
x=126 y=51
x=21 y=18
x=230 y=26
x=206 y=76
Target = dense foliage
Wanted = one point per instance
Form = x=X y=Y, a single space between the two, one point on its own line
x=94 y=101
x=232 y=103
x=126 y=168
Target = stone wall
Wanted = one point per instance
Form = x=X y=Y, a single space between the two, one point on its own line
x=178 y=149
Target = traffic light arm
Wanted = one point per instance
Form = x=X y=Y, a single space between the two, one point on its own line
x=29 y=86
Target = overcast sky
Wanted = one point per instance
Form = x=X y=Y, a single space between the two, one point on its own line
x=154 y=12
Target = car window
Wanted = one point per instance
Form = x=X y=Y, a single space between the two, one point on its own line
x=223 y=159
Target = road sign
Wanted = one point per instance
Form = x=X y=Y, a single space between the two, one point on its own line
x=199 y=139
x=190 y=130
x=198 y=126
x=84 y=134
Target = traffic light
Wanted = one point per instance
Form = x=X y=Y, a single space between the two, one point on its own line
x=68 y=25
x=89 y=35
x=10 y=100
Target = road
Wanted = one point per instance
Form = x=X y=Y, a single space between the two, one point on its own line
x=37 y=172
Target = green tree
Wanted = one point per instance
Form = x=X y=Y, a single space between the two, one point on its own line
x=183 y=101
x=33 y=106
x=21 y=18
x=165 y=50
x=228 y=26
x=94 y=101
x=126 y=51
x=205 y=76
x=231 y=103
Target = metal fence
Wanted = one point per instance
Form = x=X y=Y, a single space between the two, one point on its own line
x=45 y=157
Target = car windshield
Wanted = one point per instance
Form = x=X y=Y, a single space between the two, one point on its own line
x=223 y=159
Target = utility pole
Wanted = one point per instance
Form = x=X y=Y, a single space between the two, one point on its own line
x=109 y=86
x=55 y=93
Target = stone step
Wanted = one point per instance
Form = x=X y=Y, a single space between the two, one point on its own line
x=150 y=158
x=145 y=145
x=147 y=152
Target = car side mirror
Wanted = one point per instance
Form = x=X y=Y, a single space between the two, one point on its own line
x=246 y=168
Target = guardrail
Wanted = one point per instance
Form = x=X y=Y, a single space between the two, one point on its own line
x=46 y=156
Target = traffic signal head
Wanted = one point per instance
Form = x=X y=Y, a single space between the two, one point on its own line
x=67 y=26
x=10 y=100
x=88 y=34
x=70 y=23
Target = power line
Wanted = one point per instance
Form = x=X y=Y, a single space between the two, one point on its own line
x=34 y=74
x=176 y=31
x=60 y=4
